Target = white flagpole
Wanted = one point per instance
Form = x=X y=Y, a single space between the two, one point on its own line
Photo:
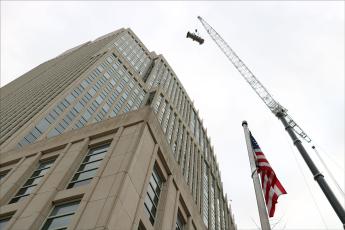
x=265 y=224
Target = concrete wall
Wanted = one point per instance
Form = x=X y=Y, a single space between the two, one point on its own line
x=114 y=199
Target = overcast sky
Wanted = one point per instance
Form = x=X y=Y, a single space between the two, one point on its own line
x=296 y=49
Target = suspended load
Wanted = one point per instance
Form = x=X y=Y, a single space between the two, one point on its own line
x=195 y=37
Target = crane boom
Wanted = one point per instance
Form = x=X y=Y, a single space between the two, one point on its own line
x=256 y=85
x=290 y=125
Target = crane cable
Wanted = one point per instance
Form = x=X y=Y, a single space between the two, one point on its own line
x=305 y=181
x=329 y=172
x=330 y=158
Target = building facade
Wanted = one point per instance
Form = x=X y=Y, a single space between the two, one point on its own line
x=104 y=136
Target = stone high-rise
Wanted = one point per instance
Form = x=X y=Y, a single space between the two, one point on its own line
x=104 y=136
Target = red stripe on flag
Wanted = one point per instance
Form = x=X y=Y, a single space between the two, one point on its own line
x=269 y=180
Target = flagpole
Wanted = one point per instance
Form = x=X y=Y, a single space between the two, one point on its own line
x=265 y=224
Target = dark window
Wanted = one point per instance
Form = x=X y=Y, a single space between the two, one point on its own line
x=141 y=226
x=3 y=174
x=4 y=221
x=61 y=216
x=152 y=195
x=180 y=223
x=88 y=168
x=33 y=181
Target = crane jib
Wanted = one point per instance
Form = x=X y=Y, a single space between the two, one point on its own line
x=256 y=85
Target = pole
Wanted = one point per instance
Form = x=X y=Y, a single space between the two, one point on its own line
x=265 y=224
x=339 y=210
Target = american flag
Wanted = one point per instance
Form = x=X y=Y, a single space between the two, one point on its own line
x=271 y=186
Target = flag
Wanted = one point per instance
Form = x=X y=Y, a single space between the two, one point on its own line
x=270 y=184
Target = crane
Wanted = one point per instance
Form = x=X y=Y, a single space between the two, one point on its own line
x=278 y=110
x=259 y=89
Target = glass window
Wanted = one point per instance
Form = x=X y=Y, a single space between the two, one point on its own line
x=99 y=100
x=84 y=83
x=180 y=222
x=4 y=221
x=88 y=169
x=92 y=92
x=54 y=132
x=61 y=216
x=78 y=106
x=43 y=125
x=205 y=193
x=112 y=81
x=3 y=174
x=152 y=195
x=32 y=182
x=87 y=115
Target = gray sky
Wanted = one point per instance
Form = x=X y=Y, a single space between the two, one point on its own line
x=296 y=49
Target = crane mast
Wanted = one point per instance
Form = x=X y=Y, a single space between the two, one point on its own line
x=256 y=85
x=290 y=125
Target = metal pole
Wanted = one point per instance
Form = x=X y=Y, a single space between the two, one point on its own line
x=265 y=224
x=339 y=210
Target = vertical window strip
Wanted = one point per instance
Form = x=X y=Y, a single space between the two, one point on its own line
x=205 y=193
x=180 y=222
x=61 y=216
x=158 y=102
x=184 y=152
x=166 y=119
x=187 y=161
x=181 y=146
x=4 y=220
x=218 y=211
x=191 y=167
x=162 y=111
x=88 y=168
x=171 y=127
x=222 y=211
x=195 y=173
x=176 y=135
x=3 y=174
x=212 y=194
x=171 y=86
x=152 y=195
x=33 y=181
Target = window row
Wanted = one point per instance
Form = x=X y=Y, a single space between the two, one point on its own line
x=195 y=126
x=187 y=155
x=169 y=121
x=85 y=173
x=106 y=92
x=130 y=48
x=59 y=218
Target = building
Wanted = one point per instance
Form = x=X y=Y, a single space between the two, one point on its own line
x=104 y=136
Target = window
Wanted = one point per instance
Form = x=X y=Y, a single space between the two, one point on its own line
x=2 y=175
x=180 y=223
x=61 y=216
x=43 y=125
x=88 y=168
x=152 y=195
x=4 y=221
x=205 y=198
x=33 y=181
x=141 y=226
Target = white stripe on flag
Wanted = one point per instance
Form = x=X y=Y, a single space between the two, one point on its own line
x=264 y=164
